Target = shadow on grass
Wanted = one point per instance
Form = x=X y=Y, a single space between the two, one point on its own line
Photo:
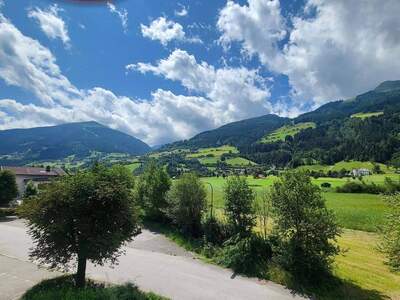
x=333 y=288
x=329 y=288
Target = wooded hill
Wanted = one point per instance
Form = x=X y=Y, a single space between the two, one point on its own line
x=365 y=128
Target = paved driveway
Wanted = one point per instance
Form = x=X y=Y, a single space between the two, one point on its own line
x=152 y=262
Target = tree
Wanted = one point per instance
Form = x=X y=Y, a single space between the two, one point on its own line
x=187 y=203
x=8 y=187
x=239 y=205
x=390 y=244
x=305 y=228
x=30 y=190
x=88 y=216
x=151 y=191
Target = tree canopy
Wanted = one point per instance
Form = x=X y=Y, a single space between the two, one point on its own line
x=8 y=187
x=88 y=216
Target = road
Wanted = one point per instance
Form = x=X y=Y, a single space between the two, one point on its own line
x=151 y=262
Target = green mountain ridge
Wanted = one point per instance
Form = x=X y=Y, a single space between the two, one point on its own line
x=337 y=135
x=21 y=146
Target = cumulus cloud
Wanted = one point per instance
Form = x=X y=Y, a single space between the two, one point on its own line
x=233 y=93
x=334 y=49
x=221 y=95
x=166 y=31
x=51 y=23
x=121 y=13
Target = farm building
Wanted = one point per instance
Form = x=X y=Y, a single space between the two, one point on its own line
x=36 y=175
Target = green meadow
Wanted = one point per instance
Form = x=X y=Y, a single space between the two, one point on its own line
x=367 y=115
x=287 y=130
x=360 y=215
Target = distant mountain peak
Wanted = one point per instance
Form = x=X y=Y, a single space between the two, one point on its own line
x=387 y=86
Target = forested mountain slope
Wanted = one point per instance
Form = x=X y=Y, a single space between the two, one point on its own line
x=56 y=142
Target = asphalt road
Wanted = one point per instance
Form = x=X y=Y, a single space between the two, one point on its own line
x=151 y=262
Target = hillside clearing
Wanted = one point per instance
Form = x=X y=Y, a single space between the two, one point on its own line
x=287 y=130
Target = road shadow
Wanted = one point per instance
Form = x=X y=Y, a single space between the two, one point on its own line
x=4 y=219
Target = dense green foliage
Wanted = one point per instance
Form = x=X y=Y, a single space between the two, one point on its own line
x=151 y=191
x=88 y=216
x=306 y=230
x=8 y=187
x=391 y=233
x=30 y=190
x=62 y=288
x=187 y=204
x=239 y=205
x=57 y=142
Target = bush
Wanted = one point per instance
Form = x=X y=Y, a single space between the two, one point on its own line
x=390 y=244
x=62 y=288
x=6 y=212
x=187 y=203
x=361 y=187
x=248 y=255
x=8 y=187
x=326 y=185
x=215 y=232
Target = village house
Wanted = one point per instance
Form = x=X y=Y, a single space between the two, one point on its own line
x=360 y=172
x=37 y=175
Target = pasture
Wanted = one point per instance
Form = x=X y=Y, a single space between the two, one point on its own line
x=360 y=263
x=367 y=115
x=288 y=130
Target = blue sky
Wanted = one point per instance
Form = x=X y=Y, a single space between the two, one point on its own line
x=166 y=70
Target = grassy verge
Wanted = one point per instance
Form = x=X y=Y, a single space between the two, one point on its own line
x=62 y=288
x=359 y=272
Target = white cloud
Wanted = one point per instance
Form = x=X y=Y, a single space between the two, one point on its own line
x=183 y=12
x=122 y=15
x=258 y=26
x=225 y=94
x=166 y=31
x=335 y=49
x=51 y=23
x=233 y=93
x=24 y=62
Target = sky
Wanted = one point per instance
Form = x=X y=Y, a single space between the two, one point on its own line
x=166 y=70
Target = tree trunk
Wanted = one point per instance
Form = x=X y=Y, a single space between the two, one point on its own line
x=80 y=277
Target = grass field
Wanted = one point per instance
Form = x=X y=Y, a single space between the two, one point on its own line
x=354 y=211
x=361 y=265
x=211 y=156
x=133 y=166
x=367 y=115
x=348 y=165
x=281 y=133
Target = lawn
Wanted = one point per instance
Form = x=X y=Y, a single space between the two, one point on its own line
x=217 y=151
x=281 y=133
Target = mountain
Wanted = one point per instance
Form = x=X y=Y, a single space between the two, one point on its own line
x=61 y=141
x=236 y=133
x=364 y=128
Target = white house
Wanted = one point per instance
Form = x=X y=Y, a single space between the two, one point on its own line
x=360 y=172
x=37 y=175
